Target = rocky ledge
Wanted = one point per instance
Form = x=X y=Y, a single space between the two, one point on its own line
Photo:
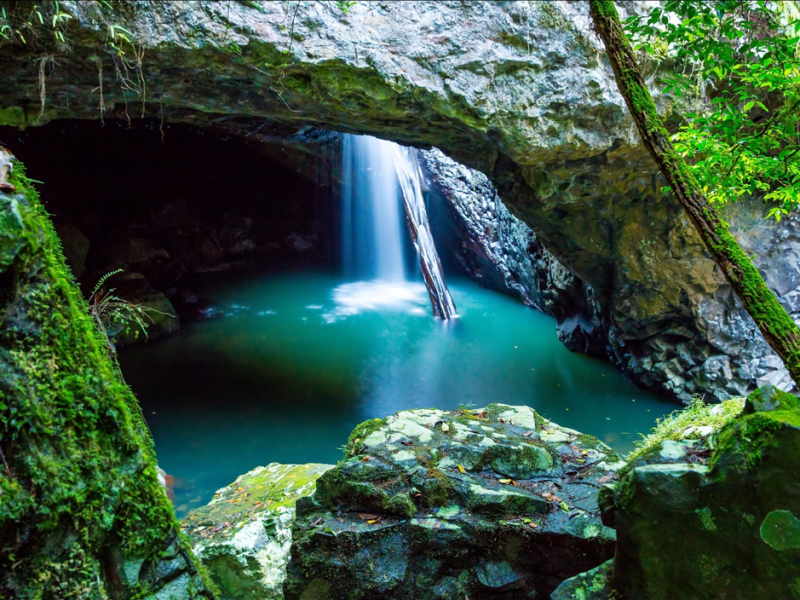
x=494 y=502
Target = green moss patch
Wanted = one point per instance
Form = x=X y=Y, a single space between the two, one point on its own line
x=78 y=479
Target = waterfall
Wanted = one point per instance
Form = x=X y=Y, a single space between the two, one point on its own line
x=409 y=175
x=375 y=173
x=371 y=230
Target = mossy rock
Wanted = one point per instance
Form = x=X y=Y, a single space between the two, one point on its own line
x=243 y=535
x=442 y=504
x=713 y=517
x=82 y=513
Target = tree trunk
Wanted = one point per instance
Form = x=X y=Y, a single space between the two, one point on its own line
x=778 y=328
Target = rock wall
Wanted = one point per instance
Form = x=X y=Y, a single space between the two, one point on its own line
x=718 y=354
x=82 y=514
x=519 y=91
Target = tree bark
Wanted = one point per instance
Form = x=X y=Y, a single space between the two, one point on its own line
x=778 y=328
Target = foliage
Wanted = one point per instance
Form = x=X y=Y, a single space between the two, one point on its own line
x=690 y=423
x=740 y=61
x=114 y=315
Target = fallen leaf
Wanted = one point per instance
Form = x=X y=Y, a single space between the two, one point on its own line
x=502 y=420
x=366 y=458
x=606 y=478
x=373 y=521
x=462 y=469
x=438 y=525
x=368 y=517
x=551 y=497
x=506 y=481
x=527 y=434
x=564 y=506
x=407 y=443
x=445 y=427
x=317 y=522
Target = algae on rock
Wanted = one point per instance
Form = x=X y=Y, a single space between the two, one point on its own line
x=243 y=535
x=82 y=514
x=445 y=504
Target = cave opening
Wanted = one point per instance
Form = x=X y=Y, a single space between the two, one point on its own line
x=275 y=351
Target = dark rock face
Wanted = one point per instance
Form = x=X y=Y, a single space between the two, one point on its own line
x=712 y=515
x=501 y=252
x=489 y=503
x=718 y=353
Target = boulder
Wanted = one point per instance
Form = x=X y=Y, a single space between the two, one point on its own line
x=243 y=535
x=135 y=250
x=711 y=511
x=486 y=503
x=82 y=512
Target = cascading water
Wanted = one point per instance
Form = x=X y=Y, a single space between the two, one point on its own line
x=372 y=238
x=374 y=173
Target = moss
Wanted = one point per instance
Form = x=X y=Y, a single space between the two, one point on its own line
x=81 y=471
x=359 y=434
x=683 y=424
x=438 y=488
x=706 y=519
x=745 y=438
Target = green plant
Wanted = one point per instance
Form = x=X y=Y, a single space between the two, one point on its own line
x=114 y=315
x=741 y=62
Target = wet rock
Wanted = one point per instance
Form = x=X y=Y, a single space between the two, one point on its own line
x=232 y=221
x=243 y=535
x=301 y=243
x=135 y=250
x=714 y=513
x=438 y=504
x=592 y=585
x=76 y=248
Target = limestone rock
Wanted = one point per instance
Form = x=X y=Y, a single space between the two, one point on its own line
x=527 y=101
x=243 y=535
x=446 y=504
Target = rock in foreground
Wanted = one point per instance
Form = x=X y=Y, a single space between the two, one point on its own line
x=243 y=536
x=711 y=512
x=487 y=503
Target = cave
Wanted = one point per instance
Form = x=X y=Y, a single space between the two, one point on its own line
x=309 y=301
x=262 y=345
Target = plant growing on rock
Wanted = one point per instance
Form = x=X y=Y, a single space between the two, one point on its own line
x=114 y=315
x=778 y=328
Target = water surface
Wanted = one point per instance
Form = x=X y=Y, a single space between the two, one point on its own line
x=295 y=361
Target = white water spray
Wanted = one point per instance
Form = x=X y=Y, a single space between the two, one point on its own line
x=374 y=174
